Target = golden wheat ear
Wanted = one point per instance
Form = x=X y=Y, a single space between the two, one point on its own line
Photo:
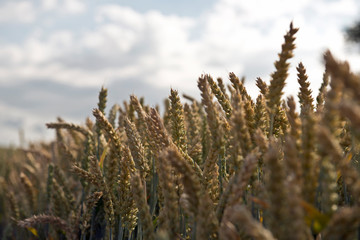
x=145 y=218
x=137 y=149
x=168 y=182
x=178 y=132
x=43 y=219
x=90 y=203
x=221 y=96
x=193 y=121
x=344 y=224
x=277 y=82
x=237 y=219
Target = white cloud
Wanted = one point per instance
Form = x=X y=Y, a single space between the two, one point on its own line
x=64 y=6
x=152 y=46
x=160 y=43
x=74 y=6
x=49 y=4
x=12 y=55
x=336 y=8
x=168 y=50
x=37 y=51
x=18 y=12
x=119 y=14
x=111 y=37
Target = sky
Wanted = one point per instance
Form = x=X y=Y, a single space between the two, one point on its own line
x=56 y=54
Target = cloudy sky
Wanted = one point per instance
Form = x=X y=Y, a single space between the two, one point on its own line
x=56 y=54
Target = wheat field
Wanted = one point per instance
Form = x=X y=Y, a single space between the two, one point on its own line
x=226 y=167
